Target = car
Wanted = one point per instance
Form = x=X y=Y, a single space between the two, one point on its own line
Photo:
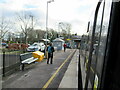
x=36 y=47
x=68 y=45
x=4 y=45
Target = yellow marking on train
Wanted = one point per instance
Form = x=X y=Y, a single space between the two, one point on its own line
x=53 y=76
x=92 y=69
x=86 y=63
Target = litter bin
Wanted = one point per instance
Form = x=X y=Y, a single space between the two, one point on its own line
x=39 y=55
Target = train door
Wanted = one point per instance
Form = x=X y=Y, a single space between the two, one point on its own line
x=97 y=51
x=94 y=36
x=101 y=52
x=110 y=79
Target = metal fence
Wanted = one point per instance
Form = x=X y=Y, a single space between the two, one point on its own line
x=11 y=61
x=0 y=69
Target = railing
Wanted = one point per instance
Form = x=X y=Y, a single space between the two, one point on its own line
x=10 y=61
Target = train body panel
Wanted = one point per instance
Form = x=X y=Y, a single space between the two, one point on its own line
x=97 y=44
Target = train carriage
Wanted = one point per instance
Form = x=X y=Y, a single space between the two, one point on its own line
x=101 y=54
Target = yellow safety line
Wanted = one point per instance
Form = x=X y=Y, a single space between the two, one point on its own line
x=49 y=81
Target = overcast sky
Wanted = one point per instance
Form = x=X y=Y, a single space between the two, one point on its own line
x=75 y=12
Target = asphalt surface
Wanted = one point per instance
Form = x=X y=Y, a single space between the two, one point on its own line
x=36 y=75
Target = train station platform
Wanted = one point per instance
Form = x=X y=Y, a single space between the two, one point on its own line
x=38 y=75
x=70 y=79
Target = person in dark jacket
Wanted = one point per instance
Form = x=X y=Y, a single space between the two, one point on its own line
x=50 y=50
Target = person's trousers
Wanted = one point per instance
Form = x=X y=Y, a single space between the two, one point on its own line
x=50 y=56
x=64 y=49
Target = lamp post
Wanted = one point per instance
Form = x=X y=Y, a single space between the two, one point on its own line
x=47 y=24
x=47 y=19
x=59 y=27
x=32 y=21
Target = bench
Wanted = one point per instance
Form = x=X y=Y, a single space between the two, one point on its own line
x=26 y=58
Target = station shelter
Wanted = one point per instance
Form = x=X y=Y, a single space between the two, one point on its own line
x=58 y=43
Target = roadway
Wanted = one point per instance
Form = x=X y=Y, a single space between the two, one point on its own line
x=40 y=74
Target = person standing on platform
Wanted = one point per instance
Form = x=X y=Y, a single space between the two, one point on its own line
x=50 y=50
x=64 y=46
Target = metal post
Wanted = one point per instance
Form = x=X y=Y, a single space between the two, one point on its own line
x=46 y=23
x=47 y=19
x=31 y=20
x=47 y=26
x=80 y=86
x=3 y=63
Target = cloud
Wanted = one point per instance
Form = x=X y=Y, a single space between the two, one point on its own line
x=75 y=12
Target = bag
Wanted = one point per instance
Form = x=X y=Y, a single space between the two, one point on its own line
x=53 y=49
x=49 y=49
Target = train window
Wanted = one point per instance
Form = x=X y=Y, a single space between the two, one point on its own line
x=95 y=43
x=96 y=56
x=96 y=36
x=103 y=38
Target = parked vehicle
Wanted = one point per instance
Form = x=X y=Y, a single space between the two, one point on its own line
x=36 y=47
x=4 y=45
x=17 y=46
x=68 y=45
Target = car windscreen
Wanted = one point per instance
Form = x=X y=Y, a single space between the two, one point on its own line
x=34 y=45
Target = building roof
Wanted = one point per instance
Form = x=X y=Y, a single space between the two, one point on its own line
x=58 y=39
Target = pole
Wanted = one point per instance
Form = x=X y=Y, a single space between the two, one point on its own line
x=47 y=26
x=46 y=30
x=3 y=63
x=47 y=19
x=46 y=23
x=32 y=22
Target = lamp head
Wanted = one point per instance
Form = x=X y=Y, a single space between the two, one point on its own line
x=50 y=1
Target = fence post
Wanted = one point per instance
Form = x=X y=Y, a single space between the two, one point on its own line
x=3 y=63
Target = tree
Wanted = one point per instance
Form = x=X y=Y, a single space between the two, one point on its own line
x=27 y=23
x=36 y=35
x=52 y=34
x=65 y=29
x=5 y=26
